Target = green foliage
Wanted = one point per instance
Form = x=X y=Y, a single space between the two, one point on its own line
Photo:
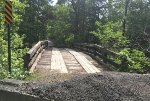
x=138 y=21
x=131 y=17
x=110 y=36
x=132 y=60
x=18 y=51
x=33 y=25
x=59 y=29
x=69 y=39
x=19 y=73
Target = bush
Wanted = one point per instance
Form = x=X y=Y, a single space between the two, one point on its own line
x=59 y=29
x=69 y=40
x=17 y=50
x=110 y=36
x=131 y=60
x=19 y=73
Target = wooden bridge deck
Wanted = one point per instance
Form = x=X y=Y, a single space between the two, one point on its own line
x=63 y=60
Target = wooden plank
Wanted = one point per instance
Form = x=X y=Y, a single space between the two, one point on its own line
x=86 y=64
x=80 y=60
x=83 y=64
x=57 y=62
x=91 y=66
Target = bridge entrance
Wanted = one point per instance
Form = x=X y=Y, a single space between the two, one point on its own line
x=44 y=58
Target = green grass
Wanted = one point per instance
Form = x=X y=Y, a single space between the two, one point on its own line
x=34 y=76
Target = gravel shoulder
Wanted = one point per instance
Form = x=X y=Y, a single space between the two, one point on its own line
x=106 y=86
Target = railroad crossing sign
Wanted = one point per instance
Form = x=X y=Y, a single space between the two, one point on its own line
x=8 y=12
x=8 y=22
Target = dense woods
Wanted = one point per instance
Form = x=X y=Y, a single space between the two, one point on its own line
x=122 y=26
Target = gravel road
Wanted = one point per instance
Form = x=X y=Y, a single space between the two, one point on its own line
x=107 y=86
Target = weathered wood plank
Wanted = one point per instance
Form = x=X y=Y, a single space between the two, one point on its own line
x=57 y=62
x=86 y=64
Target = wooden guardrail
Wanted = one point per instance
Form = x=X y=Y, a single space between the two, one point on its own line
x=99 y=51
x=32 y=54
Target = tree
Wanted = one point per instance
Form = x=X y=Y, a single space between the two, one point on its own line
x=59 y=28
x=125 y=15
x=138 y=24
x=35 y=21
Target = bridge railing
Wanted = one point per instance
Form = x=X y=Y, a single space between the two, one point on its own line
x=98 y=51
x=32 y=54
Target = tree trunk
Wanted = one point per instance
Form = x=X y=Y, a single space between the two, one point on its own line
x=125 y=16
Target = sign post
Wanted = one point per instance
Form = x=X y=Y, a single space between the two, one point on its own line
x=8 y=22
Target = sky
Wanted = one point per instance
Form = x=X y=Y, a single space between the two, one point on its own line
x=54 y=2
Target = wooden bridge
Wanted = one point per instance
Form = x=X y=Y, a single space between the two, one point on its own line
x=44 y=58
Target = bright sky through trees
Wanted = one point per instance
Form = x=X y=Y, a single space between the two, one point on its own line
x=54 y=2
